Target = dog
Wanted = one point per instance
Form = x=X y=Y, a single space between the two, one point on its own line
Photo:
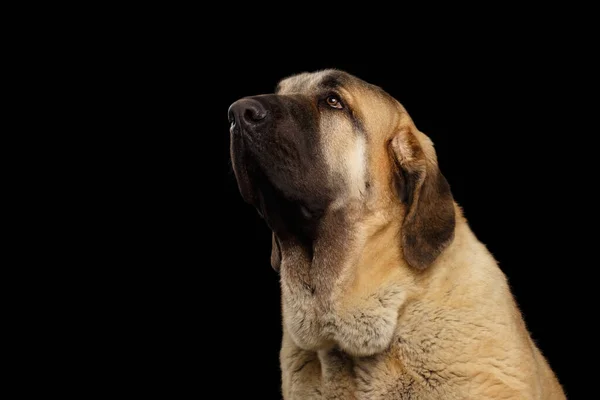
x=386 y=291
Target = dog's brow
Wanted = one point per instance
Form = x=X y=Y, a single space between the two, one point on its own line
x=330 y=82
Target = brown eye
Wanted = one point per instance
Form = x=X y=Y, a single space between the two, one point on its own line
x=334 y=102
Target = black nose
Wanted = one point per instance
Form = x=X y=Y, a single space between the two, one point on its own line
x=247 y=112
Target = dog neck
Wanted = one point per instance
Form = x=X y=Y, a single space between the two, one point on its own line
x=348 y=292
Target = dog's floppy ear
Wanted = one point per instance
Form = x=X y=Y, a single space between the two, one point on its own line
x=275 y=253
x=428 y=226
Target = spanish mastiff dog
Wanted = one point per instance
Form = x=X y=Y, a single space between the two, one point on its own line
x=386 y=292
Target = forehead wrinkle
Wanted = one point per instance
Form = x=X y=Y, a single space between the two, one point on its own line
x=313 y=82
x=304 y=82
x=331 y=82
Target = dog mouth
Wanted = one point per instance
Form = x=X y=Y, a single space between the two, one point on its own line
x=243 y=165
x=282 y=214
x=237 y=132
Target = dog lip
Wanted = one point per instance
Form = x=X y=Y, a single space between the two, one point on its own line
x=245 y=135
x=239 y=132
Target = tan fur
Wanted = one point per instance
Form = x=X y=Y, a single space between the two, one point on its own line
x=372 y=326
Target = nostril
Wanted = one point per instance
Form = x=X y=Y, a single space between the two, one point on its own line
x=255 y=113
x=247 y=113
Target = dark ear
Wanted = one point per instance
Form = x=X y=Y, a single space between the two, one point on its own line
x=275 y=253
x=428 y=226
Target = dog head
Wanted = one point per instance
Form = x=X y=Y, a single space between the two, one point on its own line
x=328 y=142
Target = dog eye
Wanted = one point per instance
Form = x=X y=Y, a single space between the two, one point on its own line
x=334 y=102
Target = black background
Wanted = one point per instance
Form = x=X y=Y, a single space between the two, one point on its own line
x=510 y=138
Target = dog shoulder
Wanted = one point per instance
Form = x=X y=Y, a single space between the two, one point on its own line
x=465 y=332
